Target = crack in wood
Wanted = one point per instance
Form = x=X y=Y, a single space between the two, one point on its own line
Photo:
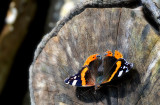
x=154 y=84
x=144 y=89
x=118 y=26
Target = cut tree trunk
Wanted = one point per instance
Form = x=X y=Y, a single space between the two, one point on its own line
x=87 y=31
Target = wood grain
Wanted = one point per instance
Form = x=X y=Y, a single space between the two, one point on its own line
x=95 y=31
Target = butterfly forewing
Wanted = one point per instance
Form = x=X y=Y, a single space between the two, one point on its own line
x=114 y=66
x=88 y=74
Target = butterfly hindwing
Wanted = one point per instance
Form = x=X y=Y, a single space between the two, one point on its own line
x=75 y=80
x=114 y=66
x=125 y=68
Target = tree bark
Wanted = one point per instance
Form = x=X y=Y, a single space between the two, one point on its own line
x=86 y=31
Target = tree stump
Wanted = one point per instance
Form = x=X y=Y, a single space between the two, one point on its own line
x=86 y=31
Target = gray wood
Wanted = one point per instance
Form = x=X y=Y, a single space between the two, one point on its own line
x=86 y=31
x=152 y=12
x=153 y=8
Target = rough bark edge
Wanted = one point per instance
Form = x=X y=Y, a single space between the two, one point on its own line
x=153 y=9
x=77 y=10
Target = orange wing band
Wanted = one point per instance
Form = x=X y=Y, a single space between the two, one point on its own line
x=90 y=59
x=117 y=55
x=118 y=66
x=83 y=76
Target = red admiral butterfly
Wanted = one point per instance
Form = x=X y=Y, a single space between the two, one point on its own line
x=96 y=72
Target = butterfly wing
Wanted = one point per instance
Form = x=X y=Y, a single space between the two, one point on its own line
x=86 y=76
x=75 y=80
x=114 y=66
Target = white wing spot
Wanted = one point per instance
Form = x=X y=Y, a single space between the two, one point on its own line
x=127 y=70
x=124 y=67
x=120 y=73
x=67 y=82
x=74 y=82
x=75 y=77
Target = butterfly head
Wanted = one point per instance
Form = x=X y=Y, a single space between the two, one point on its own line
x=108 y=54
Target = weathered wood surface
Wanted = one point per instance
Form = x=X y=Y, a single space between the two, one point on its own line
x=153 y=9
x=63 y=51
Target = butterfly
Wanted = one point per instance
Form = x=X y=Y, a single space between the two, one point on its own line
x=96 y=71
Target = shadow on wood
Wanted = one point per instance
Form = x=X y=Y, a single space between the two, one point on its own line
x=123 y=86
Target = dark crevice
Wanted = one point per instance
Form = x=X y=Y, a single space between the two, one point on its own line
x=17 y=83
x=144 y=88
x=123 y=4
x=153 y=87
x=149 y=17
x=145 y=32
x=3 y=12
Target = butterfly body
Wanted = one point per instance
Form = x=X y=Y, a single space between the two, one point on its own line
x=96 y=71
